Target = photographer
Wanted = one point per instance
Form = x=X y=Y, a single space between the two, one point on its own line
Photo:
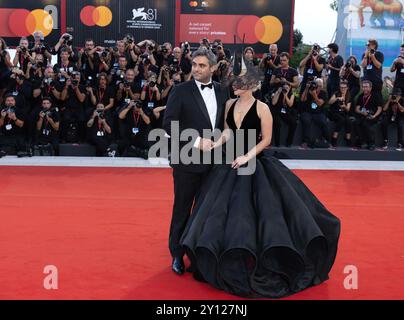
x=128 y=89
x=249 y=56
x=164 y=55
x=66 y=42
x=168 y=78
x=184 y=56
x=47 y=129
x=102 y=94
x=311 y=66
x=313 y=101
x=149 y=48
x=89 y=62
x=351 y=72
x=394 y=115
x=49 y=87
x=99 y=131
x=334 y=65
x=284 y=74
x=41 y=47
x=22 y=56
x=12 y=117
x=368 y=109
x=150 y=95
x=217 y=45
x=283 y=109
x=20 y=88
x=36 y=70
x=118 y=71
x=398 y=67
x=135 y=128
x=73 y=99
x=268 y=64
x=340 y=111
x=65 y=67
x=5 y=65
x=372 y=64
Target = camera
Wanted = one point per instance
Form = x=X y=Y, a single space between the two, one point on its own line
x=372 y=51
x=89 y=81
x=152 y=84
x=75 y=83
x=10 y=110
x=186 y=48
x=23 y=49
x=48 y=81
x=269 y=57
x=313 y=85
x=348 y=65
x=68 y=39
x=316 y=47
x=163 y=49
x=101 y=114
x=284 y=90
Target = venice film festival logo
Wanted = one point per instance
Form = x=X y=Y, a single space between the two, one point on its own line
x=142 y=19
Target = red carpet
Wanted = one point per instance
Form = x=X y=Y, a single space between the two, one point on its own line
x=106 y=231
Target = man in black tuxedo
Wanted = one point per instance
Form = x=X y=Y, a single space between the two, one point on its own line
x=198 y=104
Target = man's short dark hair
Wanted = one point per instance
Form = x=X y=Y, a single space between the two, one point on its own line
x=334 y=47
x=205 y=52
x=374 y=42
x=367 y=82
x=285 y=55
x=47 y=99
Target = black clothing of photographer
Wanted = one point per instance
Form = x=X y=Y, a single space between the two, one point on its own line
x=99 y=131
x=47 y=128
x=368 y=109
x=283 y=109
x=12 y=121
x=372 y=64
x=393 y=115
x=135 y=127
x=312 y=66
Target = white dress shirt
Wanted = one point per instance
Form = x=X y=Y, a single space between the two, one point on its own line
x=209 y=97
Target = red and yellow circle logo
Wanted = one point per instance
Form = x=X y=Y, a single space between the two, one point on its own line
x=267 y=30
x=96 y=16
x=23 y=23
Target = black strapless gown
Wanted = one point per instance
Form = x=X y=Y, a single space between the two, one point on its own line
x=262 y=235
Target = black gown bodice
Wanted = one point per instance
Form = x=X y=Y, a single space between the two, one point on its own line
x=251 y=121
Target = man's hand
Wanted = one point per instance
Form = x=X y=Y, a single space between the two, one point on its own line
x=12 y=116
x=3 y=114
x=206 y=145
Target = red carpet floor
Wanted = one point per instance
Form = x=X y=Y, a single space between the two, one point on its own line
x=106 y=231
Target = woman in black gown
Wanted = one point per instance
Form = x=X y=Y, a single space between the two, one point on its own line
x=264 y=234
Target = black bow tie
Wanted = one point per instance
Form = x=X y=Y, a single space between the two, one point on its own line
x=210 y=86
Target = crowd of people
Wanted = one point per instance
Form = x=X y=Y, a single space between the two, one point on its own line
x=113 y=97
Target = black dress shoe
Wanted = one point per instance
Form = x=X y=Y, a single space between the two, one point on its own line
x=178 y=266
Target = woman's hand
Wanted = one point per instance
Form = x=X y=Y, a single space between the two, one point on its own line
x=240 y=161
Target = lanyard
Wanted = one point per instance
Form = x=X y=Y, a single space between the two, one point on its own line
x=365 y=104
x=136 y=118
x=151 y=93
x=100 y=127
x=101 y=96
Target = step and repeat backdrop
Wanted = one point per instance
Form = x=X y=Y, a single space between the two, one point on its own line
x=258 y=22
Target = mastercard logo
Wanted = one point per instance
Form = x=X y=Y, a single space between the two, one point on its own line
x=267 y=30
x=193 y=4
x=96 y=16
x=23 y=23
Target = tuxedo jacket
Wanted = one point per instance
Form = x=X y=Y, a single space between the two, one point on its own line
x=186 y=105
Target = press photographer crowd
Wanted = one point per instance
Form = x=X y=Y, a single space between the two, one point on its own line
x=112 y=97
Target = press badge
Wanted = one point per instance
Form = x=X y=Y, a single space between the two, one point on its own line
x=314 y=106
x=46 y=132
x=283 y=110
x=310 y=71
x=369 y=67
x=135 y=131
x=150 y=105
x=100 y=133
x=9 y=127
x=402 y=70
x=15 y=93
x=364 y=110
